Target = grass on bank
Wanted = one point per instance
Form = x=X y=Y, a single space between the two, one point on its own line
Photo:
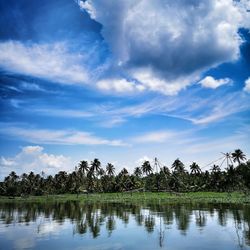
x=217 y=197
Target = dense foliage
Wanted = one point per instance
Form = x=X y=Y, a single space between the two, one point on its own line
x=93 y=178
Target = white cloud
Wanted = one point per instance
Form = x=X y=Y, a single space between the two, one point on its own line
x=32 y=149
x=238 y=139
x=60 y=137
x=6 y=162
x=210 y=82
x=31 y=87
x=33 y=158
x=71 y=113
x=220 y=108
x=155 y=137
x=119 y=85
x=51 y=227
x=175 y=44
x=247 y=85
x=112 y=122
x=48 y=61
x=207 y=109
x=153 y=82
x=143 y=159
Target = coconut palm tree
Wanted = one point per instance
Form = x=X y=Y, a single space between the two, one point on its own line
x=124 y=172
x=95 y=166
x=110 y=169
x=215 y=169
x=165 y=170
x=238 y=156
x=178 y=166
x=101 y=172
x=138 y=172
x=195 y=169
x=83 y=167
x=146 y=168
x=14 y=177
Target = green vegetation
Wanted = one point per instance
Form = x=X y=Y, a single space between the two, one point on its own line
x=88 y=179
x=209 y=197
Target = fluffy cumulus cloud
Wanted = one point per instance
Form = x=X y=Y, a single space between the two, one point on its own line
x=143 y=159
x=33 y=158
x=48 y=61
x=119 y=85
x=165 y=45
x=247 y=85
x=210 y=82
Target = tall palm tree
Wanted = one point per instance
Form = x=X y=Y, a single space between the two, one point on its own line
x=13 y=176
x=101 y=172
x=195 y=169
x=83 y=167
x=238 y=156
x=110 y=169
x=138 y=172
x=31 y=180
x=165 y=170
x=146 y=168
x=178 y=166
x=95 y=166
x=215 y=169
x=124 y=172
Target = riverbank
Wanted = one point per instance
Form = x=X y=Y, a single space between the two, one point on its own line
x=218 y=197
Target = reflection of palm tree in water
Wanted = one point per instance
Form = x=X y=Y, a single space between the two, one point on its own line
x=161 y=234
x=91 y=217
x=110 y=224
x=149 y=223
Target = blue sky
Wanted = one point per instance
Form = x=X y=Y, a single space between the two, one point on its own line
x=122 y=81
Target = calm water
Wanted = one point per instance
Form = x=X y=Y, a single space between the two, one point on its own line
x=116 y=226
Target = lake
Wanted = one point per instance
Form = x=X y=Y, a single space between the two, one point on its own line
x=106 y=226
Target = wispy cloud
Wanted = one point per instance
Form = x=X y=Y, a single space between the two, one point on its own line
x=238 y=139
x=247 y=85
x=206 y=110
x=221 y=108
x=155 y=137
x=70 y=113
x=48 y=61
x=62 y=137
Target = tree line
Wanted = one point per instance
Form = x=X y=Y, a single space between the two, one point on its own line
x=88 y=178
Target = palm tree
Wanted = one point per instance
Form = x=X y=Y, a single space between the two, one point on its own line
x=138 y=172
x=215 y=169
x=83 y=167
x=31 y=180
x=178 y=166
x=95 y=166
x=101 y=172
x=165 y=170
x=146 y=168
x=110 y=169
x=238 y=156
x=13 y=176
x=216 y=178
x=49 y=184
x=124 y=172
x=195 y=169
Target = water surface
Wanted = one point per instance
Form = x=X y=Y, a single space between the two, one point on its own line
x=106 y=226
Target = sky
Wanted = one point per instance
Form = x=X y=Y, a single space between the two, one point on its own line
x=122 y=81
